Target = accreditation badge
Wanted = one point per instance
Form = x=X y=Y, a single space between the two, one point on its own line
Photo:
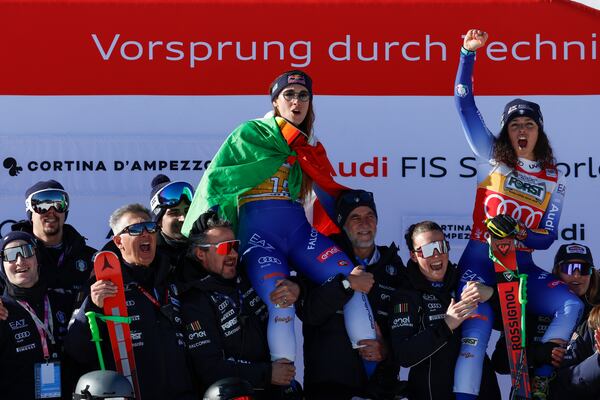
x=47 y=380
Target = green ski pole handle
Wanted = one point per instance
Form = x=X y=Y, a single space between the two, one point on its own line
x=91 y=316
x=523 y=301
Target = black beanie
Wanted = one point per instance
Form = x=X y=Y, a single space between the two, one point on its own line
x=350 y=200
x=42 y=185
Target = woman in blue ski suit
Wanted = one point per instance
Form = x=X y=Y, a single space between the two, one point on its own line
x=516 y=177
x=267 y=203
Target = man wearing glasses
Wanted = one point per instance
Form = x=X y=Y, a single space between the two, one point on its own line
x=151 y=303
x=65 y=257
x=225 y=319
x=333 y=369
x=170 y=202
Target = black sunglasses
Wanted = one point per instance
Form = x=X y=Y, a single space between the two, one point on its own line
x=138 y=228
x=11 y=254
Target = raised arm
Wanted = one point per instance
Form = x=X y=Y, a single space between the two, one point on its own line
x=478 y=135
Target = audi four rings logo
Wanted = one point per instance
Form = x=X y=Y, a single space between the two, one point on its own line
x=508 y=206
x=270 y=260
x=22 y=335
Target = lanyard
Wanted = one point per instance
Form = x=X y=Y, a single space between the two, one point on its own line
x=44 y=329
x=149 y=296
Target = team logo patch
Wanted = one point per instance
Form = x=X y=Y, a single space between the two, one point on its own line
x=401 y=308
x=194 y=326
x=462 y=90
x=60 y=316
x=576 y=249
x=391 y=270
x=342 y=263
x=80 y=265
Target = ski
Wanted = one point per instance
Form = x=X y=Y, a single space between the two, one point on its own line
x=108 y=267
x=503 y=254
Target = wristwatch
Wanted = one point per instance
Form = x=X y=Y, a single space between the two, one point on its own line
x=346 y=285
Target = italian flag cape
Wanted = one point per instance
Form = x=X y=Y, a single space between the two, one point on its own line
x=252 y=153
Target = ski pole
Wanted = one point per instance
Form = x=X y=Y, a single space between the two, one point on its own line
x=91 y=316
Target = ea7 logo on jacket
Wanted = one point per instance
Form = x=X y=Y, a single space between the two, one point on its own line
x=16 y=325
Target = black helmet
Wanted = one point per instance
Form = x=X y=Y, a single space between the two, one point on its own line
x=229 y=389
x=103 y=385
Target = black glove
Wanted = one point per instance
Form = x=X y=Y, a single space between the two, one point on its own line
x=502 y=226
x=541 y=353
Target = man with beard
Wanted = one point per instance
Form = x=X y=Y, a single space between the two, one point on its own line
x=225 y=319
x=378 y=273
x=170 y=202
x=152 y=304
x=65 y=257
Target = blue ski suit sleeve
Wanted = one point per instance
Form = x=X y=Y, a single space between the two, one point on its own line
x=478 y=135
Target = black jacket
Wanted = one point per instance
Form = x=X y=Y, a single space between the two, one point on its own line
x=423 y=342
x=174 y=249
x=328 y=354
x=579 y=377
x=225 y=329
x=159 y=348
x=20 y=345
x=67 y=268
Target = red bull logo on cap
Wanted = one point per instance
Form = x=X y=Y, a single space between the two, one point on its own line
x=296 y=78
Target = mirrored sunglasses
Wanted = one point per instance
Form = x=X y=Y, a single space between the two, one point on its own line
x=428 y=250
x=172 y=194
x=570 y=268
x=11 y=254
x=223 y=248
x=41 y=202
x=140 y=227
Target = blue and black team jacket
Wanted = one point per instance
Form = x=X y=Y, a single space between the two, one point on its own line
x=579 y=377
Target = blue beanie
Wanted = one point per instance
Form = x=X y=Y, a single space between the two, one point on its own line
x=42 y=185
x=289 y=78
x=522 y=108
